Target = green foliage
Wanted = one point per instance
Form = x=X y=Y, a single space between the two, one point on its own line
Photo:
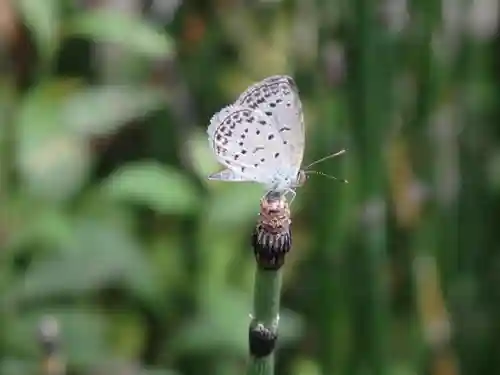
x=128 y=31
x=162 y=189
x=109 y=224
x=43 y=20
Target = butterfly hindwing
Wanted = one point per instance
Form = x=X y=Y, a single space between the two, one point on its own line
x=226 y=175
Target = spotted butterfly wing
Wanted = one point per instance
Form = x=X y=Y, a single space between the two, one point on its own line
x=247 y=143
x=278 y=98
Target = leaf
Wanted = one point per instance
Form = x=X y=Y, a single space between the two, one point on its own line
x=101 y=110
x=64 y=106
x=201 y=157
x=39 y=112
x=37 y=224
x=99 y=255
x=160 y=188
x=42 y=17
x=52 y=163
x=55 y=121
x=56 y=170
x=134 y=34
x=234 y=206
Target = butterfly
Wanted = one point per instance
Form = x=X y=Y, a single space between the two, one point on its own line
x=261 y=137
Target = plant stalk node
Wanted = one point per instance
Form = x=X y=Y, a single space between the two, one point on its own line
x=262 y=340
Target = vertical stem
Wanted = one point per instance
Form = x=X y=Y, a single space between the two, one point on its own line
x=265 y=310
x=7 y=142
x=370 y=84
x=267 y=295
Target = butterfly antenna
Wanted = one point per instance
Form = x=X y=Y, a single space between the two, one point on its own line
x=327 y=157
x=327 y=176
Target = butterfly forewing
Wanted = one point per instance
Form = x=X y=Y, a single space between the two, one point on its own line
x=278 y=98
x=247 y=142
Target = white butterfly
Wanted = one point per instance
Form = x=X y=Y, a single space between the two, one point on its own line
x=261 y=136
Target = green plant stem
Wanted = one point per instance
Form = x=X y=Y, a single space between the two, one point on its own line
x=8 y=139
x=370 y=86
x=266 y=306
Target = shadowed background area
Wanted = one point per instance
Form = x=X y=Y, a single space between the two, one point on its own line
x=113 y=240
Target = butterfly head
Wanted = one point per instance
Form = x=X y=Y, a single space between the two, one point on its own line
x=285 y=184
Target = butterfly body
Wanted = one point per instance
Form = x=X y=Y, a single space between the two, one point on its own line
x=260 y=138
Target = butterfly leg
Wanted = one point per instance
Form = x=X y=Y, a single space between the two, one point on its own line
x=293 y=194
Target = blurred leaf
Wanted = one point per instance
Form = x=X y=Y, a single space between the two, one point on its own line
x=201 y=157
x=55 y=121
x=222 y=324
x=39 y=112
x=160 y=188
x=235 y=204
x=42 y=17
x=99 y=255
x=52 y=162
x=38 y=225
x=167 y=261
x=56 y=170
x=101 y=110
x=134 y=34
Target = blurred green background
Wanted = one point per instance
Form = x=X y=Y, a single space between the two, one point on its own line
x=108 y=223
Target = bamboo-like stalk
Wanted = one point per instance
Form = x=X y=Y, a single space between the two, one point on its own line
x=271 y=242
x=370 y=83
x=264 y=324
